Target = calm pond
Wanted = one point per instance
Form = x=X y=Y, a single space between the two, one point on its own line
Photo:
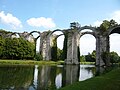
x=42 y=77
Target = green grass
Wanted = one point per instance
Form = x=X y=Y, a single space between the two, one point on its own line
x=27 y=62
x=32 y=62
x=108 y=81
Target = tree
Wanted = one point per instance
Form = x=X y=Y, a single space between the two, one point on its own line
x=59 y=54
x=114 y=58
x=1 y=46
x=82 y=58
x=91 y=57
x=16 y=48
x=106 y=25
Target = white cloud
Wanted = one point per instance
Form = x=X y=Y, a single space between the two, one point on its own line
x=41 y=22
x=115 y=16
x=9 y=19
x=97 y=23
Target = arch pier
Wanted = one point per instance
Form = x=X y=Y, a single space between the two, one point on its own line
x=72 y=43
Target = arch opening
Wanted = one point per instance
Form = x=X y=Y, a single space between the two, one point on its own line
x=114 y=43
x=34 y=37
x=114 y=48
x=57 y=46
x=114 y=39
x=87 y=48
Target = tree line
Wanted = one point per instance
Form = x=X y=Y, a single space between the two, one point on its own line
x=16 y=48
x=91 y=57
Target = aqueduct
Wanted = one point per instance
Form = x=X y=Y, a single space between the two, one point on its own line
x=72 y=36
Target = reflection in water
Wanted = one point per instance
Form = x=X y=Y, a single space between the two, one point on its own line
x=86 y=71
x=15 y=77
x=34 y=85
x=71 y=74
x=42 y=77
x=58 y=80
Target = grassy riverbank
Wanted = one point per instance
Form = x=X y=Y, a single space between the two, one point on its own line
x=28 y=62
x=108 y=81
x=32 y=62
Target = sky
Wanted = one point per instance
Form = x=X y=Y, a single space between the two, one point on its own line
x=43 y=15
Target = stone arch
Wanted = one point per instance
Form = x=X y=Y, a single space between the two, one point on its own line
x=92 y=32
x=115 y=29
x=15 y=33
x=35 y=32
x=53 y=42
x=87 y=27
x=59 y=36
x=35 y=39
x=56 y=31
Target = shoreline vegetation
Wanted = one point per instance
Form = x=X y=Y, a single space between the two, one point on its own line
x=31 y=62
x=107 y=81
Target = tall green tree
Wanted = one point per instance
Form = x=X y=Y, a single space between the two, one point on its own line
x=16 y=48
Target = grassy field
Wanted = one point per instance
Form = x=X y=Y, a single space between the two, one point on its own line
x=108 y=81
x=28 y=62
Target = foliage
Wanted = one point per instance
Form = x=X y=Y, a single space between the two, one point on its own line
x=16 y=48
x=1 y=46
x=38 y=57
x=54 y=50
x=4 y=32
x=105 y=57
x=106 y=25
x=82 y=58
x=59 y=54
x=91 y=57
x=114 y=57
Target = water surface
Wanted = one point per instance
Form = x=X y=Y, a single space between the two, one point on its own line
x=43 y=77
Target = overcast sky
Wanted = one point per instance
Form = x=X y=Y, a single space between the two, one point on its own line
x=43 y=15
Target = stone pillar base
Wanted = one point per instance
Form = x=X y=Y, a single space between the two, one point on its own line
x=71 y=62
